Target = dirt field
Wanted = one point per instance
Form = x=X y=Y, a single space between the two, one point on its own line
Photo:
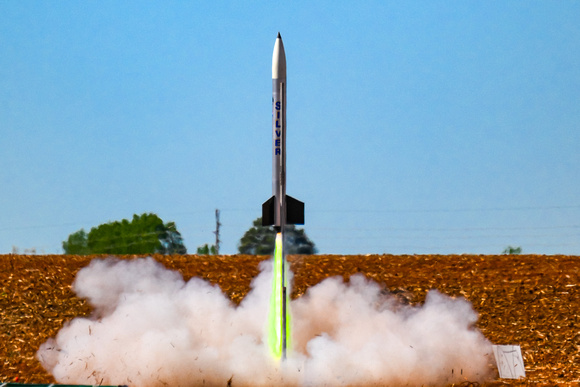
x=530 y=300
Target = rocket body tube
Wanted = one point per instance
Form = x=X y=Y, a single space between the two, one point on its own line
x=279 y=132
x=280 y=209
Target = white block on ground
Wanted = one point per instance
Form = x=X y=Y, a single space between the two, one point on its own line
x=509 y=361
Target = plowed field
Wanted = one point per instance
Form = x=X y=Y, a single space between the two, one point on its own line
x=530 y=300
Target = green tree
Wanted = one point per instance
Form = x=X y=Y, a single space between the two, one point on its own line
x=260 y=240
x=511 y=250
x=206 y=250
x=171 y=240
x=144 y=234
x=77 y=243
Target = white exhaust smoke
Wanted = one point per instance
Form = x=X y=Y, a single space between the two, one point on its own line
x=151 y=328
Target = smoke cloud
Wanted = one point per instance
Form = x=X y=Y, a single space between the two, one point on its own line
x=151 y=328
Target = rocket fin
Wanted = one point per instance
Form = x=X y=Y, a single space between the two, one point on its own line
x=268 y=212
x=294 y=211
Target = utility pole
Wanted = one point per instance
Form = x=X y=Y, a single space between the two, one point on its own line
x=217 y=231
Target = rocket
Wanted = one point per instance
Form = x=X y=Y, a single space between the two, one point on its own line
x=281 y=209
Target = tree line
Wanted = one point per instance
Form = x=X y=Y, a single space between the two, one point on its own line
x=148 y=234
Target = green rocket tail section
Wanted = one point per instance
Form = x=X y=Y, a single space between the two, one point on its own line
x=278 y=316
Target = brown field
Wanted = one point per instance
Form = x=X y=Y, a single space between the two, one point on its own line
x=530 y=300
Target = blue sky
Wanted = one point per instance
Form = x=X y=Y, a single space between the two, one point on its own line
x=413 y=127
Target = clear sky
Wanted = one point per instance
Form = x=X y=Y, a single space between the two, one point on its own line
x=413 y=127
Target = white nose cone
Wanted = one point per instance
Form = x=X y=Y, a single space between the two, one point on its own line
x=278 y=59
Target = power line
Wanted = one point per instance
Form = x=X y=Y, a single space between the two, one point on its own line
x=439 y=210
x=453 y=229
x=447 y=237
